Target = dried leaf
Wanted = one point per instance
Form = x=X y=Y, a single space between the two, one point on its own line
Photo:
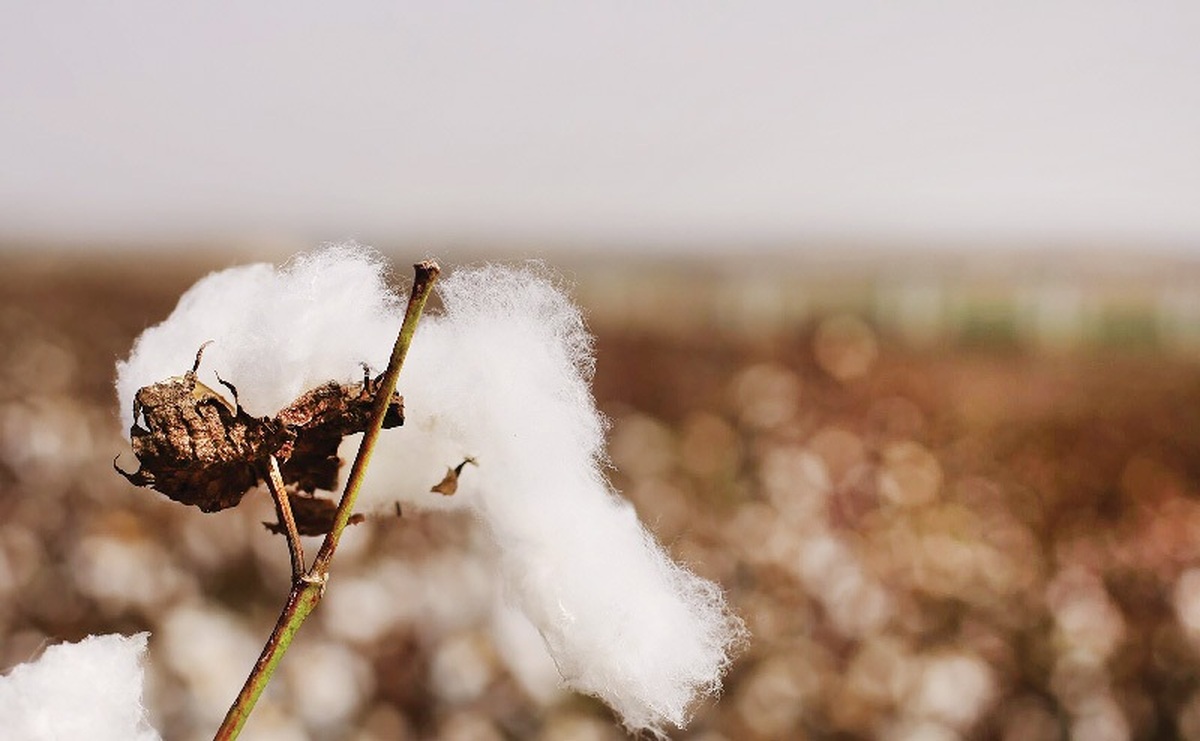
x=197 y=448
x=320 y=418
x=449 y=483
x=313 y=515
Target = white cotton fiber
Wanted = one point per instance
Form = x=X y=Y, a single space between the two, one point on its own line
x=275 y=333
x=521 y=647
x=503 y=376
x=87 y=690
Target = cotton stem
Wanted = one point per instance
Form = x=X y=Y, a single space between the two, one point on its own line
x=283 y=508
x=307 y=588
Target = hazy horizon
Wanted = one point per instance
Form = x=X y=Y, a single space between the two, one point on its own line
x=610 y=124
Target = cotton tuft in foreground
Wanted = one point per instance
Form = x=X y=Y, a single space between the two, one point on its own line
x=501 y=377
x=91 y=689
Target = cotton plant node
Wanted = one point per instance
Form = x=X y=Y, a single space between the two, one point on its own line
x=198 y=448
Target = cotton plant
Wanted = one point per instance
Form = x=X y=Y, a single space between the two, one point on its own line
x=498 y=417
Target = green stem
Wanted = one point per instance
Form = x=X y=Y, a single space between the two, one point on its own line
x=426 y=274
x=304 y=597
x=308 y=589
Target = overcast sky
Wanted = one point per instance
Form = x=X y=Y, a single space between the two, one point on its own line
x=685 y=122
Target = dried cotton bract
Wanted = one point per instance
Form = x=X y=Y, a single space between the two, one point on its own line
x=501 y=377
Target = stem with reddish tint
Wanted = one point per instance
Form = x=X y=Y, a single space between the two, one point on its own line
x=308 y=588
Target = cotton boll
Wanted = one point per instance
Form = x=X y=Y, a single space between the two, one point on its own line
x=122 y=573
x=503 y=376
x=439 y=594
x=275 y=333
x=575 y=726
x=91 y=689
x=361 y=609
x=461 y=669
x=954 y=689
x=469 y=726
x=327 y=681
x=211 y=651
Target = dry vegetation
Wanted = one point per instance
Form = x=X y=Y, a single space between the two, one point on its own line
x=955 y=539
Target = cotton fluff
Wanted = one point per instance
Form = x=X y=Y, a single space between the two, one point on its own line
x=275 y=333
x=502 y=375
x=91 y=689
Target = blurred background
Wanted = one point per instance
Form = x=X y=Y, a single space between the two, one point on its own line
x=898 y=326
